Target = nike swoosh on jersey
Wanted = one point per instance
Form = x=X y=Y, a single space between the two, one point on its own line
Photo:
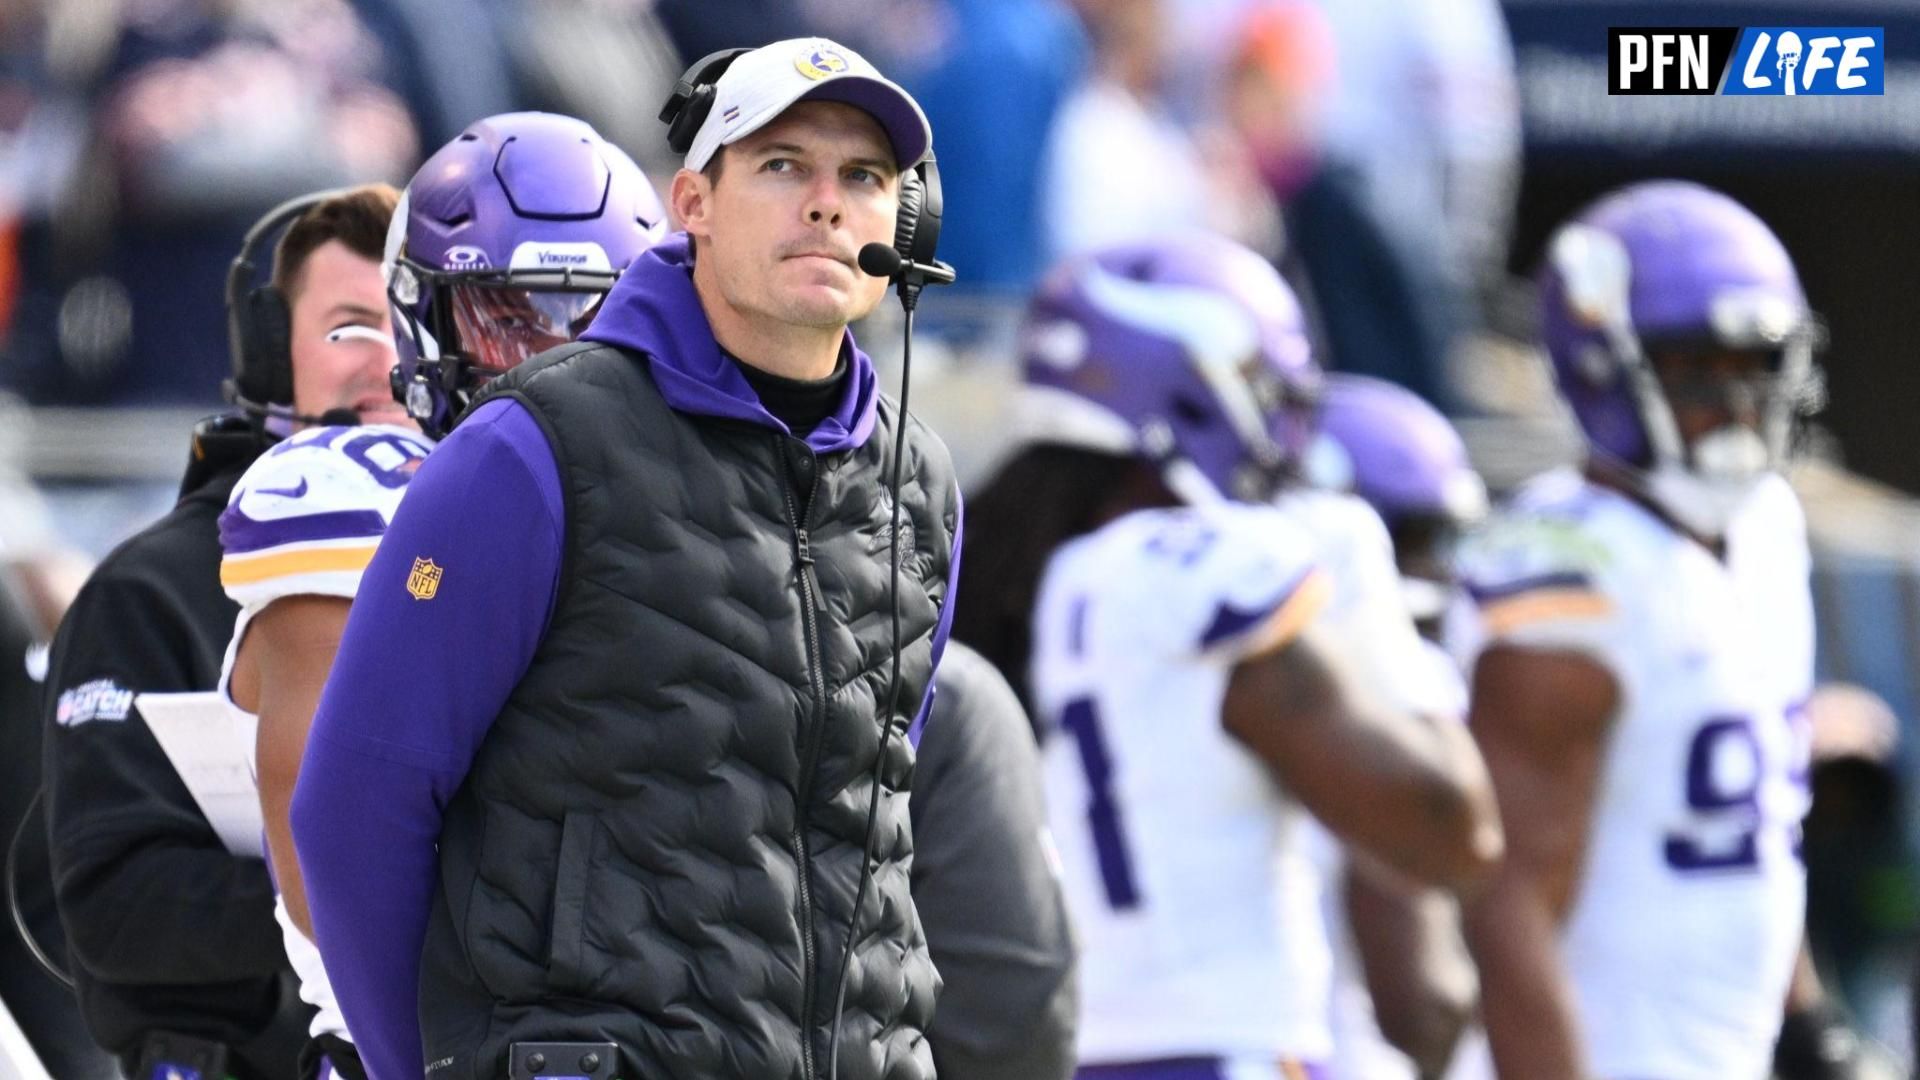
x=293 y=492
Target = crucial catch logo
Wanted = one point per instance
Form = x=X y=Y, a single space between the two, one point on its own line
x=1790 y=61
x=101 y=699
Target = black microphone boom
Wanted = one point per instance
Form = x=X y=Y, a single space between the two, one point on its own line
x=884 y=260
x=338 y=416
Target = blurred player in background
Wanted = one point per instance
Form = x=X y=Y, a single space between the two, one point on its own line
x=171 y=934
x=1174 y=635
x=1403 y=984
x=1641 y=635
x=469 y=265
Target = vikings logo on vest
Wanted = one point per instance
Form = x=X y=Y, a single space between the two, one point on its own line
x=1734 y=61
x=424 y=580
x=817 y=64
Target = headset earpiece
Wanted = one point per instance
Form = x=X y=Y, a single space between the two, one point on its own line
x=267 y=329
x=259 y=324
x=912 y=191
x=916 y=232
x=692 y=98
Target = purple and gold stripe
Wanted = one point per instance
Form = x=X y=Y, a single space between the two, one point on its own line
x=253 y=569
x=243 y=535
x=1561 y=579
x=1275 y=623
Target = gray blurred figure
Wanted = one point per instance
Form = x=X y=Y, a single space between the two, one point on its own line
x=985 y=884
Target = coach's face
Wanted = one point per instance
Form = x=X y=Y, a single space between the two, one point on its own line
x=792 y=205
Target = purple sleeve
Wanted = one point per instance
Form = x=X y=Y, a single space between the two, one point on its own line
x=419 y=678
x=944 y=628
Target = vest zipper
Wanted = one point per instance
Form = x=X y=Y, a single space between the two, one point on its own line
x=812 y=602
x=812 y=582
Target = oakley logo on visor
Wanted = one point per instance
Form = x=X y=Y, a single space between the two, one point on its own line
x=465 y=257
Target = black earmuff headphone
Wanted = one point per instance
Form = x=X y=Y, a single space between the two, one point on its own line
x=916 y=232
x=259 y=323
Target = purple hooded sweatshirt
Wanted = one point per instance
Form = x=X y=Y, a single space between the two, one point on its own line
x=416 y=686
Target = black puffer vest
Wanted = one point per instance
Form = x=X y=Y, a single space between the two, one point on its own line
x=660 y=840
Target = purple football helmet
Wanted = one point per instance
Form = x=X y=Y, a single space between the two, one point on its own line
x=1674 y=265
x=502 y=246
x=1406 y=460
x=1189 y=351
x=1401 y=454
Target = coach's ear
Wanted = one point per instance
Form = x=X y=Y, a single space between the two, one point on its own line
x=690 y=198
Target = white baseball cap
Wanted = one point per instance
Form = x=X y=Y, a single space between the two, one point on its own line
x=762 y=84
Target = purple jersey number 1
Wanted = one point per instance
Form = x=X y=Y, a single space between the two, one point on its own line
x=1103 y=813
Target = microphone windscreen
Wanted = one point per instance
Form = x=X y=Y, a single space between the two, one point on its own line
x=340 y=417
x=880 y=260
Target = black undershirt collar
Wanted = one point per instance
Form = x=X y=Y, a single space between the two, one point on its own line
x=798 y=403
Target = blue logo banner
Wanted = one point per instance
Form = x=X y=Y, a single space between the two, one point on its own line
x=1807 y=60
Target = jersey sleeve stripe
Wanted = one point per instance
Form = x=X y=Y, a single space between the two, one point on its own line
x=1487 y=595
x=241 y=535
x=249 y=570
x=1543 y=605
x=1307 y=600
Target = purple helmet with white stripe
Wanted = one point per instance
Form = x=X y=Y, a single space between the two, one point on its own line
x=503 y=245
x=1189 y=351
x=1668 y=265
x=1402 y=455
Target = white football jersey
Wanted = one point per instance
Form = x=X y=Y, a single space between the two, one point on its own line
x=1180 y=865
x=1683 y=935
x=304 y=520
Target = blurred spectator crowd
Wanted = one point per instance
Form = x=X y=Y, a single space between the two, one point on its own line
x=1374 y=147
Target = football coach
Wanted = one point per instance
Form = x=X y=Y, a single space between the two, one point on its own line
x=632 y=648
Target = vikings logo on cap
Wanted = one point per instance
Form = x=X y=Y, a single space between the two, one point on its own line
x=818 y=62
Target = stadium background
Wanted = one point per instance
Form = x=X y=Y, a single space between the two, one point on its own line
x=139 y=138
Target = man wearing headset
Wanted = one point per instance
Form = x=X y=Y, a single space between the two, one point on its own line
x=640 y=651
x=173 y=942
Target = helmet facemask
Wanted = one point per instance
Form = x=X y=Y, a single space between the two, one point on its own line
x=469 y=326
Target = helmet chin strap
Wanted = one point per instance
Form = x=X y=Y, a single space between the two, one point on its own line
x=1728 y=465
x=1189 y=484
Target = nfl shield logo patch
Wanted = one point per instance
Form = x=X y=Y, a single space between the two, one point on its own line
x=424 y=581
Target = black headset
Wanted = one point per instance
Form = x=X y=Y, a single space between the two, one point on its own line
x=916 y=232
x=259 y=322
